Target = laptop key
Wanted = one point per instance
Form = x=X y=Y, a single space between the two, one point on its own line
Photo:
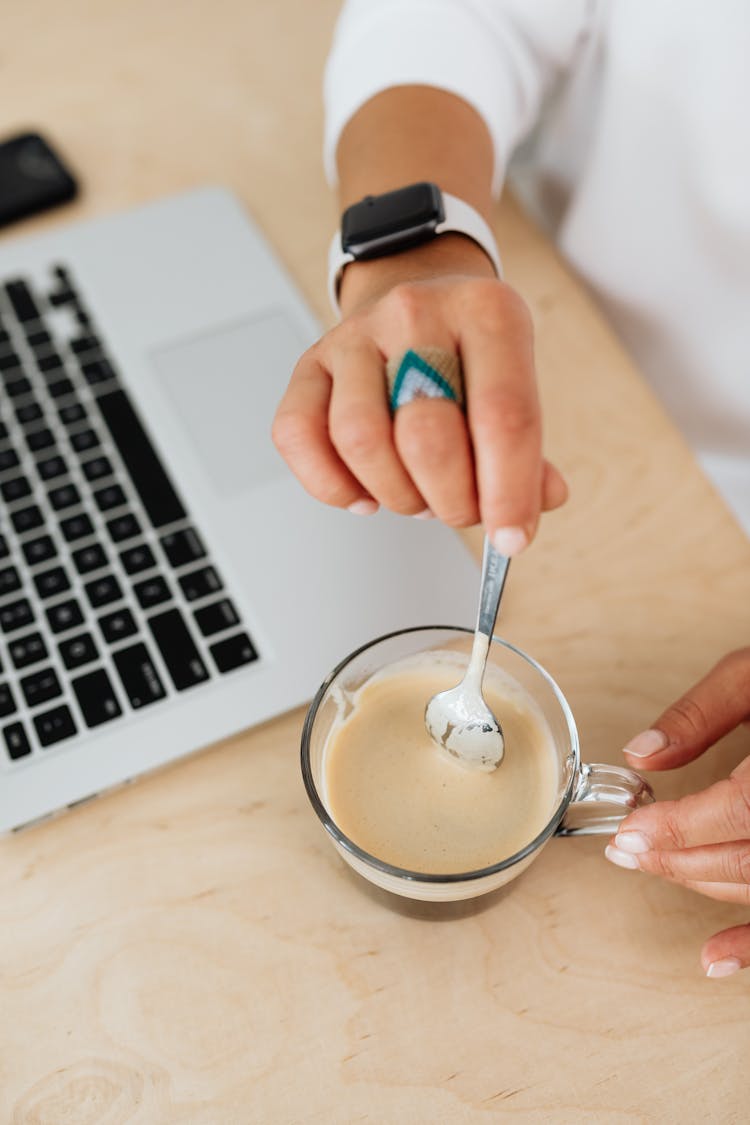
x=136 y=559
x=50 y=362
x=52 y=582
x=27 y=650
x=39 y=550
x=139 y=676
x=98 y=468
x=99 y=371
x=71 y=414
x=38 y=338
x=96 y=698
x=40 y=439
x=83 y=440
x=200 y=583
x=15 y=489
x=26 y=519
x=217 y=617
x=7 y=702
x=64 y=497
x=41 y=686
x=78 y=650
x=65 y=615
x=123 y=527
x=8 y=459
x=182 y=547
x=63 y=296
x=110 y=497
x=28 y=413
x=103 y=591
x=23 y=303
x=60 y=388
x=90 y=558
x=146 y=471
x=51 y=467
x=55 y=725
x=18 y=387
x=233 y=652
x=117 y=626
x=16 y=741
x=76 y=527
x=178 y=649
x=10 y=361
x=152 y=591
x=85 y=344
x=10 y=581
x=4 y=548
x=16 y=615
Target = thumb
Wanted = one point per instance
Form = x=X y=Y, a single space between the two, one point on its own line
x=713 y=707
x=726 y=952
x=554 y=488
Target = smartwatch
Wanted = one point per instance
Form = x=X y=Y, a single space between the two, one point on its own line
x=380 y=225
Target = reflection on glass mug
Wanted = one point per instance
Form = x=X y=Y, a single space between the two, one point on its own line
x=415 y=822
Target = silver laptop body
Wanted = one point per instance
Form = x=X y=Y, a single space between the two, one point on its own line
x=164 y=581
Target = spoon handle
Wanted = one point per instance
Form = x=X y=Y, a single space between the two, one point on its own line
x=494 y=572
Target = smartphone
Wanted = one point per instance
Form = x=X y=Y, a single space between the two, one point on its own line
x=33 y=177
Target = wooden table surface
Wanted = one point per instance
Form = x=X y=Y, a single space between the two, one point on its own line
x=191 y=949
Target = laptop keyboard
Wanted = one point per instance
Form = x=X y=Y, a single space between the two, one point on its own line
x=109 y=601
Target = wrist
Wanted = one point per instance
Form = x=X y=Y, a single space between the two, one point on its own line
x=448 y=254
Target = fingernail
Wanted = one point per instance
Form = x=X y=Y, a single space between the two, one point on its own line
x=425 y=514
x=723 y=968
x=364 y=507
x=622 y=859
x=646 y=743
x=510 y=541
x=632 y=842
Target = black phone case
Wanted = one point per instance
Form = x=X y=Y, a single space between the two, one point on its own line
x=32 y=178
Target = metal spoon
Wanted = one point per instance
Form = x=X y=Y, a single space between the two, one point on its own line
x=459 y=719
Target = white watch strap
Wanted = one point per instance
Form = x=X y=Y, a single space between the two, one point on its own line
x=460 y=218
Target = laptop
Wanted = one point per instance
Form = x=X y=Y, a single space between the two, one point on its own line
x=164 y=580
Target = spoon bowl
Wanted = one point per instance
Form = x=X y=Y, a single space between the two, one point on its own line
x=459 y=720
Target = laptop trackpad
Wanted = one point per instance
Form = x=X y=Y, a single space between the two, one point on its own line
x=225 y=386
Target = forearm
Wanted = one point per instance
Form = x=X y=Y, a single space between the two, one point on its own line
x=404 y=135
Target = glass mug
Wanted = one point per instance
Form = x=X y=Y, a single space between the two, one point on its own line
x=592 y=798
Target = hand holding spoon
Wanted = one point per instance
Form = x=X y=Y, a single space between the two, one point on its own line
x=459 y=719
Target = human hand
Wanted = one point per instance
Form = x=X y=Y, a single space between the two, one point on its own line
x=334 y=429
x=703 y=840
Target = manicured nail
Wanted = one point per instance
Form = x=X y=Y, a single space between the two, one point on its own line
x=646 y=743
x=510 y=541
x=632 y=842
x=364 y=507
x=425 y=514
x=723 y=968
x=622 y=859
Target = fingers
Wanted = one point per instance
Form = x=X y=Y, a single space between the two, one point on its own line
x=716 y=705
x=726 y=952
x=554 y=488
x=300 y=433
x=503 y=414
x=717 y=815
x=433 y=443
x=334 y=429
x=715 y=863
x=361 y=430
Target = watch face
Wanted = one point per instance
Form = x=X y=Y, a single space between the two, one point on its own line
x=384 y=224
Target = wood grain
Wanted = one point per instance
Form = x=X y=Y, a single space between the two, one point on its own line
x=190 y=949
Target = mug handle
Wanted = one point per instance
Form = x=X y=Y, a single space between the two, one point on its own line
x=604 y=796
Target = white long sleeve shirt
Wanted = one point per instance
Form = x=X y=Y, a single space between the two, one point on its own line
x=626 y=122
